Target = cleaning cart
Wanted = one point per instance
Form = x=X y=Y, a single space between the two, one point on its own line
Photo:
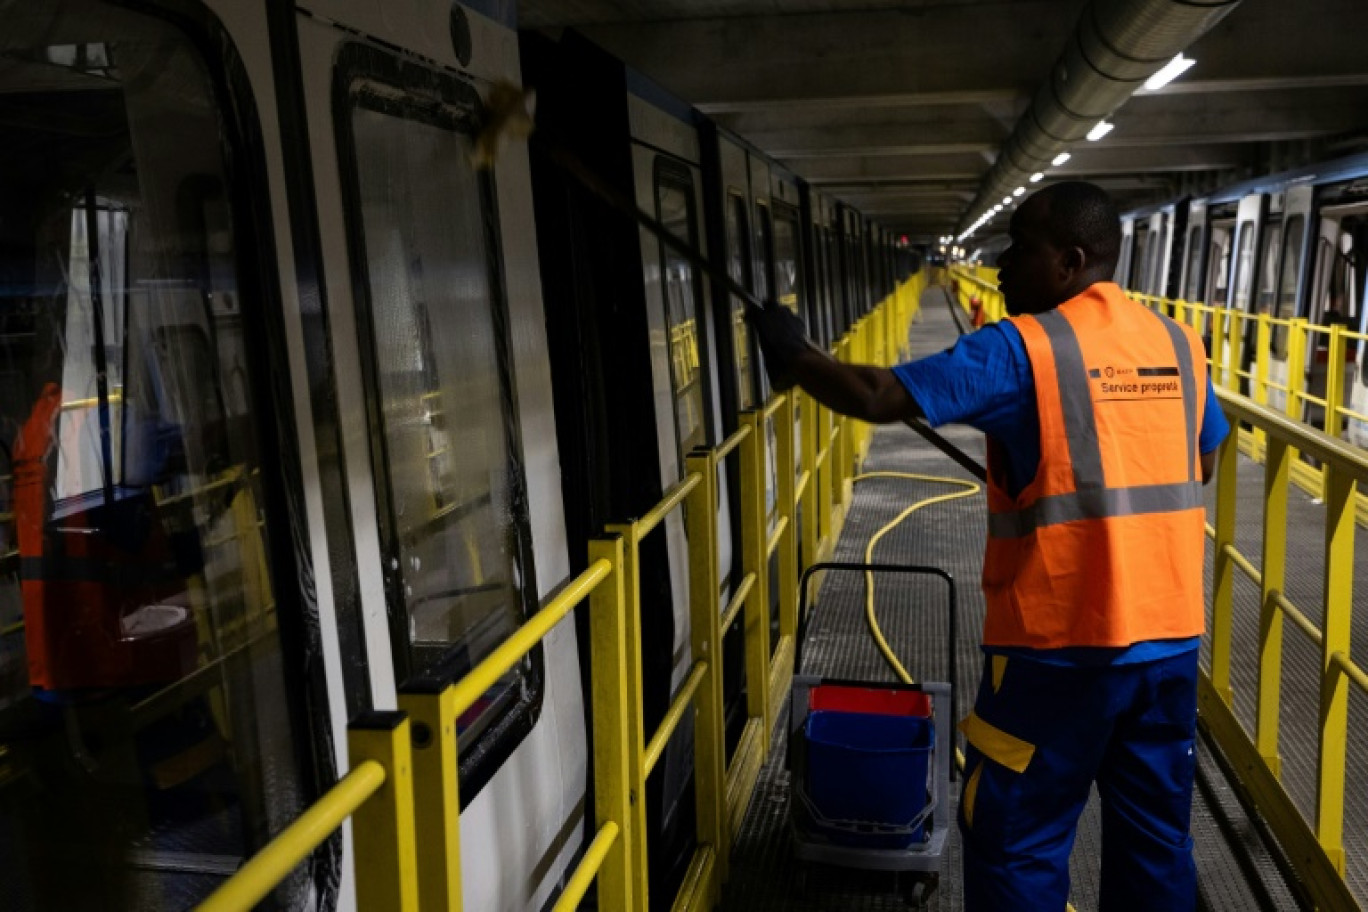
x=869 y=761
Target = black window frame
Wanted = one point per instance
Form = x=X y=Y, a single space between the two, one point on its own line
x=428 y=95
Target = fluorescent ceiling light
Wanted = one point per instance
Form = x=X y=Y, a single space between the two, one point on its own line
x=1171 y=71
x=1037 y=177
x=1099 y=131
x=1061 y=158
x=1018 y=191
x=1006 y=201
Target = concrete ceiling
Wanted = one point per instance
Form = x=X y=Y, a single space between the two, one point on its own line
x=900 y=108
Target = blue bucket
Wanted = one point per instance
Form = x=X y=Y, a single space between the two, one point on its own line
x=870 y=769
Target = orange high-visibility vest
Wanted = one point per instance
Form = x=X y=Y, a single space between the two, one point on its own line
x=1104 y=546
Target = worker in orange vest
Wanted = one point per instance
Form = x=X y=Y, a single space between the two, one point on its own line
x=1101 y=427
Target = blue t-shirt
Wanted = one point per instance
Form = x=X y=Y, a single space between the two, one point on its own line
x=985 y=381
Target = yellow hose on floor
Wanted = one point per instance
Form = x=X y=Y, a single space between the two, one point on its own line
x=969 y=490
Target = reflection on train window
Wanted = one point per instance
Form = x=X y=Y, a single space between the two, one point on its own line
x=1268 y=267
x=1194 y=264
x=738 y=264
x=1287 y=286
x=764 y=252
x=1218 y=266
x=146 y=736
x=444 y=429
x=1138 y=261
x=786 y=289
x=675 y=210
x=1244 y=266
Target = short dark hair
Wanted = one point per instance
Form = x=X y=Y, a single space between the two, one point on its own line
x=1083 y=215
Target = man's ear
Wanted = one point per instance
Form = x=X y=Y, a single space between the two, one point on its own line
x=1074 y=259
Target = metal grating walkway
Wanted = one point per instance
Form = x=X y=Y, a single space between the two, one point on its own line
x=1236 y=871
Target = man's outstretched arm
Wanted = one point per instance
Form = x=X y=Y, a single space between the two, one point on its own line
x=861 y=391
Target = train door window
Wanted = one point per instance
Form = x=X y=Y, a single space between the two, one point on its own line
x=1139 y=261
x=1218 y=270
x=1194 y=264
x=738 y=267
x=150 y=719
x=764 y=252
x=1268 y=268
x=1244 y=267
x=444 y=447
x=1286 y=307
x=675 y=210
x=786 y=282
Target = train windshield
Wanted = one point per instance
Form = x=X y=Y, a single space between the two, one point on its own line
x=148 y=733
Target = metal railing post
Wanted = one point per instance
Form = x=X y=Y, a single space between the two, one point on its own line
x=1277 y=469
x=1296 y=371
x=382 y=829
x=1223 y=567
x=432 y=714
x=1334 y=694
x=710 y=766
x=826 y=489
x=634 y=832
x=787 y=579
x=1235 y=328
x=614 y=797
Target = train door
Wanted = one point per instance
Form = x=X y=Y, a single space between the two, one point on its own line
x=1337 y=296
x=741 y=387
x=788 y=272
x=666 y=160
x=450 y=444
x=1285 y=274
x=164 y=707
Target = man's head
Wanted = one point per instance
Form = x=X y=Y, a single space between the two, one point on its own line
x=1064 y=238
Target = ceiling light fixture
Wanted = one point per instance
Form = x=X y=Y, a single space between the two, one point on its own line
x=1037 y=177
x=1018 y=191
x=1061 y=158
x=1099 y=131
x=1171 y=71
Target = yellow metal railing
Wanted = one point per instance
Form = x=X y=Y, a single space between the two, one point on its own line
x=1316 y=849
x=1302 y=369
x=978 y=283
x=402 y=793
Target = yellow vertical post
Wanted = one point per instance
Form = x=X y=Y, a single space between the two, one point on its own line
x=1218 y=334
x=1334 y=695
x=1259 y=386
x=1334 y=393
x=1231 y=356
x=705 y=631
x=432 y=715
x=614 y=796
x=825 y=490
x=808 y=554
x=1223 y=567
x=636 y=737
x=382 y=829
x=1276 y=470
x=1296 y=368
x=755 y=560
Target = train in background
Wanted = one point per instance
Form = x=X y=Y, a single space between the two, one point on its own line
x=1292 y=245
x=303 y=411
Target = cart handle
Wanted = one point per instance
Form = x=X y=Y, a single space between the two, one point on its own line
x=881 y=568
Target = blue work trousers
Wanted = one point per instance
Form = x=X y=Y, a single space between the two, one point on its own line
x=1040 y=735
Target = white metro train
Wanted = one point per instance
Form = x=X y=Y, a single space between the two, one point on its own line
x=301 y=409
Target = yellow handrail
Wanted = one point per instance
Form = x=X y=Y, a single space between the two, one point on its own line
x=495 y=665
x=578 y=885
x=267 y=868
x=682 y=702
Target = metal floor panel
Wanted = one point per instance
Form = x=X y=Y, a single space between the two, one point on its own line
x=1236 y=871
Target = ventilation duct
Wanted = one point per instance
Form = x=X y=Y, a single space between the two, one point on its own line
x=1117 y=46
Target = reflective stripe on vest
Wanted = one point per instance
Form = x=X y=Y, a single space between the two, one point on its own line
x=1091 y=498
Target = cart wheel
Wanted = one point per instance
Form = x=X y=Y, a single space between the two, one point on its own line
x=921 y=890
